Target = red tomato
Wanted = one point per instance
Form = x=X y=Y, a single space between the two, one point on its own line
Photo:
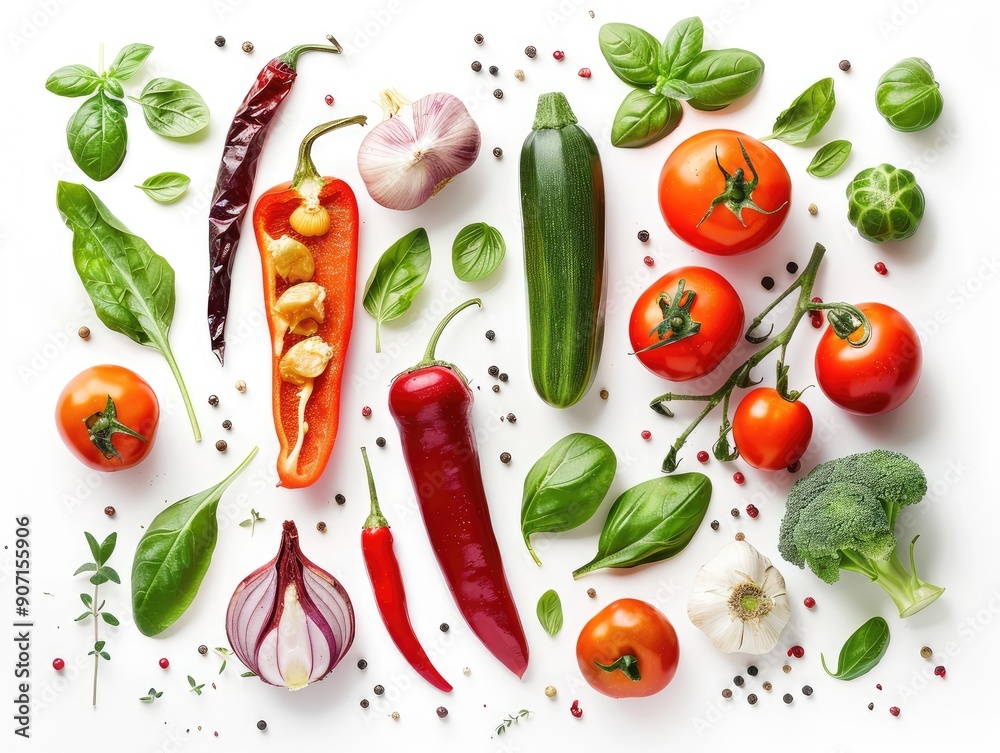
x=716 y=307
x=636 y=645
x=770 y=432
x=875 y=378
x=99 y=412
x=721 y=199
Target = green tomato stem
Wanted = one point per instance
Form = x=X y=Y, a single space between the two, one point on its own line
x=628 y=665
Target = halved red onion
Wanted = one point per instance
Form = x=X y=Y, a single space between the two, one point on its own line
x=290 y=622
x=402 y=168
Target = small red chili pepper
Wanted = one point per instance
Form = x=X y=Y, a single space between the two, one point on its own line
x=237 y=171
x=387 y=585
x=431 y=404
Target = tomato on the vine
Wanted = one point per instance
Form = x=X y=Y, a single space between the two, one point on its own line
x=771 y=432
x=628 y=649
x=107 y=416
x=877 y=377
x=682 y=333
x=724 y=192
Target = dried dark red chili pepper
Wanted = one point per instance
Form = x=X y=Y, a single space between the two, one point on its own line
x=237 y=171
x=432 y=407
x=387 y=585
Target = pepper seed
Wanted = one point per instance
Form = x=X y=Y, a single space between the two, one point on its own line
x=84 y=333
x=261 y=725
x=738 y=681
x=519 y=74
x=752 y=699
x=791 y=267
x=530 y=51
x=813 y=209
x=496 y=387
x=213 y=400
x=767 y=283
x=604 y=394
x=735 y=512
x=477 y=66
x=752 y=671
x=727 y=693
x=479 y=39
x=321 y=527
x=871 y=706
x=807 y=690
x=466 y=671
x=786 y=668
x=493 y=371
x=378 y=689
x=247 y=47
x=497 y=152
x=220 y=41
x=395 y=716
x=844 y=65
x=364 y=703
x=490 y=335
x=505 y=457
x=202 y=649
x=926 y=652
x=740 y=536
x=550 y=691
x=109 y=511
x=494 y=70
x=511 y=418
x=443 y=627
x=442 y=712
x=503 y=377
x=498 y=93
x=362 y=664
x=591 y=593
x=221 y=445
x=380 y=441
x=787 y=697
x=715 y=525
x=767 y=686
x=241 y=386
x=340 y=499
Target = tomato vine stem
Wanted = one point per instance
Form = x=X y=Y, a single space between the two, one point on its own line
x=845 y=319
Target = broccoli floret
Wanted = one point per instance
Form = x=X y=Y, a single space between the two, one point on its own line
x=842 y=516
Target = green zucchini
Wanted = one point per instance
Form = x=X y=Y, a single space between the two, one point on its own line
x=562 y=211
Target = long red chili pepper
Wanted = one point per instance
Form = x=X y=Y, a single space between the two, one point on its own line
x=432 y=407
x=234 y=183
x=387 y=585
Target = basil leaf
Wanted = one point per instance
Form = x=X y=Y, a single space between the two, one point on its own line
x=165 y=187
x=566 y=485
x=807 y=115
x=73 y=81
x=651 y=521
x=829 y=159
x=643 y=118
x=173 y=556
x=908 y=97
x=674 y=88
x=114 y=87
x=549 y=611
x=630 y=52
x=720 y=77
x=477 y=251
x=128 y=61
x=97 y=136
x=171 y=108
x=863 y=650
x=396 y=279
x=683 y=43
x=130 y=285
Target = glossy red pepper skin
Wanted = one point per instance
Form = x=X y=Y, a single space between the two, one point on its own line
x=432 y=408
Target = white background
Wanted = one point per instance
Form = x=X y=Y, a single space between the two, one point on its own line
x=943 y=280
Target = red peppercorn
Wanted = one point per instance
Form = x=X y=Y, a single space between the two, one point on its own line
x=702 y=456
x=816 y=319
x=58 y=664
x=878 y=686
x=752 y=511
x=794 y=467
x=645 y=434
x=894 y=710
x=648 y=261
x=584 y=73
x=164 y=663
x=939 y=670
x=575 y=709
x=881 y=268
x=809 y=601
x=558 y=54
x=328 y=99
x=739 y=478
x=366 y=412
x=797 y=651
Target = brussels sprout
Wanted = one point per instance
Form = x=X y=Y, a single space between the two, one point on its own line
x=885 y=203
x=908 y=97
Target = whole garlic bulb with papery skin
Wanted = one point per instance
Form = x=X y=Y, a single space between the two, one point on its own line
x=290 y=622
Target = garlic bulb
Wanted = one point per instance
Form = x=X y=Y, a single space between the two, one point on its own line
x=289 y=621
x=739 y=600
x=402 y=168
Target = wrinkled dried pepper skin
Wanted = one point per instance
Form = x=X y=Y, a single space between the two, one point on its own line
x=234 y=186
x=432 y=408
x=336 y=259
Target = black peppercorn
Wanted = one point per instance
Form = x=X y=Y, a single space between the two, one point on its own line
x=340 y=499
x=227 y=424
x=490 y=334
x=503 y=377
x=871 y=706
x=752 y=699
x=497 y=152
x=807 y=690
x=364 y=703
x=643 y=236
x=767 y=283
x=380 y=441
x=221 y=445
x=787 y=697
x=498 y=93
x=530 y=51
x=791 y=267
x=109 y=511
x=496 y=387
x=247 y=47
x=478 y=39
x=727 y=693
x=511 y=418
x=202 y=649
x=845 y=65
x=504 y=457
x=738 y=681
x=477 y=66
x=84 y=333
x=752 y=671
x=735 y=512
x=444 y=627
x=494 y=70
x=220 y=41
x=362 y=664
x=715 y=525
x=321 y=527
x=493 y=371
x=261 y=725
x=213 y=400
x=379 y=690
x=442 y=712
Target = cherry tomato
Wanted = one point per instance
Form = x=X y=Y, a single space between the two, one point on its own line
x=107 y=416
x=722 y=198
x=714 y=304
x=770 y=432
x=628 y=649
x=875 y=378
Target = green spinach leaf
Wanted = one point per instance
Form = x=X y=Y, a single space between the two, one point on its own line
x=549 y=611
x=396 y=279
x=165 y=187
x=720 y=77
x=807 y=115
x=631 y=53
x=128 y=61
x=829 y=159
x=682 y=45
x=863 y=650
x=477 y=251
x=172 y=109
x=566 y=485
x=908 y=97
x=644 y=117
x=130 y=285
x=173 y=556
x=97 y=136
x=73 y=81
x=651 y=522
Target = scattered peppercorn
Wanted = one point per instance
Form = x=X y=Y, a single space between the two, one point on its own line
x=498 y=93
x=550 y=691
x=340 y=499
x=503 y=377
x=844 y=65
x=395 y=716
x=220 y=41
x=791 y=267
x=247 y=47
x=443 y=627
x=494 y=70
x=380 y=441
x=321 y=527
x=364 y=703
x=604 y=394
x=878 y=686
x=362 y=664
x=702 y=456
x=894 y=710
x=646 y=434
x=591 y=13
x=227 y=424
x=504 y=457
x=442 y=712
x=795 y=467
x=809 y=602
x=787 y=697
x=926 y=652
x=881 y=268
x=164 y=663
x=575 y=709
x=477 y=66
x=643 y=236
x=727 y=693
x=752 y=670
x=466 y=671
x=221 y=445
x=648 y=261
x=490 y=335
x=478 y=39
x=202 y=649
x=591 y=593
x=496 y=387
x=786 y=668
x=493 y=371
x=497 y=152
x=262 y=725
x=752 y=699
x=213 y=400
x=767 y=685
x=735 y=512
x=752 y=511
x=379 y=690
x=328 y=99
x=511 y=418
x=84 y=333
x=740 y=536
x=807 y=690
x=558 y=54
x=940 y=671
x=519 y=74
x=871 y=706
x=58 y=665
x=584 y=73
x=109 y=511
x=739 y=478
x=797 y=651
x=530 y=51
x=715 y=525
x=738 y=681
x=813 y=209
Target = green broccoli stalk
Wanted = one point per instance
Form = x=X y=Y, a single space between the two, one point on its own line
x=842 y=516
